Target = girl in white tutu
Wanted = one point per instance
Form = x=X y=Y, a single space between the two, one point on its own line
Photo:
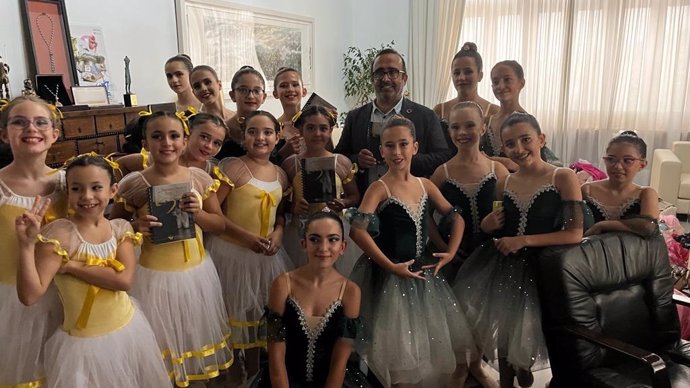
x=417 y=331
x=177 y=283
x=105 y=340
x=249 y=254
x=541 y=206
x=30 y=126
x=315 y=125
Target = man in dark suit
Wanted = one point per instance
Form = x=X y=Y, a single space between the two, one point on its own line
x=361 y=136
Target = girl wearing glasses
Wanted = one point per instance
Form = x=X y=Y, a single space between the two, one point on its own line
x=249 y=254
x=30 y=126
x=247 y=90
x=617 y=203
x=466 y=72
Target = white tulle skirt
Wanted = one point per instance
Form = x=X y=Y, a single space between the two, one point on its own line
x=187 y=314
x=291 y=242
x=23 y=332
x=128 y=357
x=246 y=278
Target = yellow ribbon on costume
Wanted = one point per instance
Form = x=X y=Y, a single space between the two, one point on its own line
x=267 y=202
x=3 y=104
x=57 y=248
x=85 y=312
x=351 y=175
x=220 y=175
x=188 y=249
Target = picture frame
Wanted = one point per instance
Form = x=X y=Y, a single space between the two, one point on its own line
x=90 y=95
x=228 y=36
x=48 y=86
x=48 y=40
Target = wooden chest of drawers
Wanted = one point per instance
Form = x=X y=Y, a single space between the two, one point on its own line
x=99 y=130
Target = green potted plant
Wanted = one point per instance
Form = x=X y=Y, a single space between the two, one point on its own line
x=357 y=75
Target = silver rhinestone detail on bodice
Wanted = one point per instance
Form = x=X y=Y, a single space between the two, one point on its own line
x=312 y=335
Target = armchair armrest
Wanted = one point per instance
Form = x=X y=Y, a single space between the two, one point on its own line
x=665 y=176
x=656 y=365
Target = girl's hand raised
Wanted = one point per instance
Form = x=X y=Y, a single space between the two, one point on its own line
x=493 y=221
x=29 y=224
x=403 y=270
x=443 y=259
x=293 y=145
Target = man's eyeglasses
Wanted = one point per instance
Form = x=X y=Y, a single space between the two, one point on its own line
x=40 y=123
x=611 y=161
x=245 y=91
x=392 y=74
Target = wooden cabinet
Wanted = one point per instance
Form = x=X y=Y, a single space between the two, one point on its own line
x=98 y=130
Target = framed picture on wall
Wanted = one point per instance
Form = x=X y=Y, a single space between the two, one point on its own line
x=228 y=36
x=48 y=39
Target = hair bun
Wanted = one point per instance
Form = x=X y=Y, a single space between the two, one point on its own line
x=628 y=132
x=246 y=67
x=469 y=46
x=183 y=55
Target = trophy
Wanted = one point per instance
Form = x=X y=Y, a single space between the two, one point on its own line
x=129 y=97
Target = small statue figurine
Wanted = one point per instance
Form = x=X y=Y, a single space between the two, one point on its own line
x=4 y=80
x=128 y=77
x=28 y=88
x=129 y=97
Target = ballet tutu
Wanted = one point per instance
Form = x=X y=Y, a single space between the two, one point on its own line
x=126 y=357
x=187 y=315
x=416 y=332
x=23 y=332
x=291 y=242
x=246 y=278
x=499 y=296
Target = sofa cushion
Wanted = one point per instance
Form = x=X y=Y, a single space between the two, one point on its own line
x=684 y=189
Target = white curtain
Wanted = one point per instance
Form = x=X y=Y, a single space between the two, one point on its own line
x=221 y=38
x=592 y=67
x=434 y=32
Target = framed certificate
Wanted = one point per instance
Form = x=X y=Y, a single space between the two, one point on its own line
x=90 y=95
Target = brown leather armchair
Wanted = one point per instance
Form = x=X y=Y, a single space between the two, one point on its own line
x=609 y=316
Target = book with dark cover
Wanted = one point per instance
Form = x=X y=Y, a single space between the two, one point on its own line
x=315 y=99
x=318 y=179
x=164 y=204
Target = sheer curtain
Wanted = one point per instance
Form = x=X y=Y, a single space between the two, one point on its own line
x=210 y=30
x=434 y=32
x=592 y=67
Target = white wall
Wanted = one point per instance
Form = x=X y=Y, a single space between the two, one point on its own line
x=146 y=32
